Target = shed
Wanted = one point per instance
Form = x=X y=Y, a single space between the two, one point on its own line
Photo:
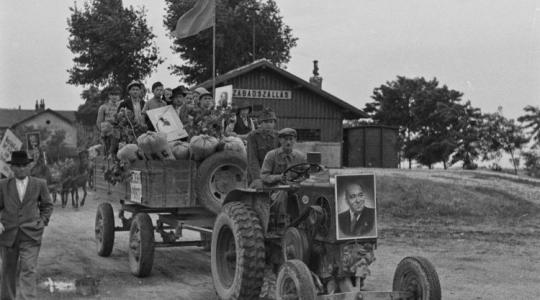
x=374 y=146
x=316 y=114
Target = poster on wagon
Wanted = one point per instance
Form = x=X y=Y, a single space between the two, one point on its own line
x=224 y=96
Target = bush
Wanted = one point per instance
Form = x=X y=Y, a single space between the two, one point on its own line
x=532 y=163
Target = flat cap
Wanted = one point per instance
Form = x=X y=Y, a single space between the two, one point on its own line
x=202 y=91
x=287 y=132
x=267 y=114
x=135 y=83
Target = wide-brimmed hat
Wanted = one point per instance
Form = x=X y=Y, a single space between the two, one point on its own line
x=240 y=108
x=267 y=114
x=137 y=83
x=19 y=158
x=179 y=91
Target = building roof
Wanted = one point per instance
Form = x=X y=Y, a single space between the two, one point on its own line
x=350 y=111
x=13 y=117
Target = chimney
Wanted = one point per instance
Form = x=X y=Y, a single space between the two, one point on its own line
x=42 y=105
x=316 y=80
x=37 y=106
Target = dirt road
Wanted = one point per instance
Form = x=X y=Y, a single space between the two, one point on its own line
x=471 y=264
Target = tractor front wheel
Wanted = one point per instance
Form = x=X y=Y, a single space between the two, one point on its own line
x=294 y=281
x=417 y=275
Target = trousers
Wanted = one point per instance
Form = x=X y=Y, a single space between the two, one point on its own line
x=22 y=254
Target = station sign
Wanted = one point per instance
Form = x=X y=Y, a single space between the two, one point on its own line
x=263 y=94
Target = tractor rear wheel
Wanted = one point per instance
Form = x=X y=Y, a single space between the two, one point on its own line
x=417 y=275
x=237 y=257
x=294 y=281
x=104 y=229
x=141 y=245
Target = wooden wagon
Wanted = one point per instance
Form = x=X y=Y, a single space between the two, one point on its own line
x=183 y=194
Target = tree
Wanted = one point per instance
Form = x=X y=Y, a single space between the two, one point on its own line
x=503 y=135
x=431 y=118
x=112 y=44
x=87 y=112
x=392 y=106
x=469 y=146
x=241 y=24
x=532 y=122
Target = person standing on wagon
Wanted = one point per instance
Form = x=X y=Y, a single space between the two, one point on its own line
x=260 y=142
x=135 y=103
x=25 y=210
x=105 y=118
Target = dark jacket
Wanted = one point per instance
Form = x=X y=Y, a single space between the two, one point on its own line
x=241 y=128
x=127 y=104
x=30 y=216
x=363 y=226
x=259 y=142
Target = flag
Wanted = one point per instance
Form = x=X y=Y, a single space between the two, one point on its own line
x=197 y=19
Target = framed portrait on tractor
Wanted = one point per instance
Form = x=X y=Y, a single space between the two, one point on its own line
x=356 y=206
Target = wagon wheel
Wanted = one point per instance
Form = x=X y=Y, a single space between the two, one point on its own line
x=104 y=228
x=294 y=282
x=237 y=257
x=141 y=245
x=418 y=276
x=219 y=174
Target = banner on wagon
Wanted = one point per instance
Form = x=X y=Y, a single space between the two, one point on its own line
x=10 y=143
x=136 y=186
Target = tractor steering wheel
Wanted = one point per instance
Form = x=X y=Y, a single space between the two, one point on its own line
x=300 y=172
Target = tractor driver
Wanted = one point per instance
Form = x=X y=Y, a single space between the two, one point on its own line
x=278 y=160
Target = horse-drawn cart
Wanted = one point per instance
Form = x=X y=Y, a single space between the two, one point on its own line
x=182 y=194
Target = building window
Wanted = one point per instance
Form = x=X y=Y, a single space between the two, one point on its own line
x=308 y=135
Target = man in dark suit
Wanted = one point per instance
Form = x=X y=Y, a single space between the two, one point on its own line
x=25 y=209
x=358 y=220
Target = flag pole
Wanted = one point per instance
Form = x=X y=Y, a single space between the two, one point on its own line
x=214 y=52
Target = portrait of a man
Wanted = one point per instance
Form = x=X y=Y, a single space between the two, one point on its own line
x=355 y=206
x=32 y=141
x=224 y=96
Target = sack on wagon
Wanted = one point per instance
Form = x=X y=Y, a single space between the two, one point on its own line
x=154 y=145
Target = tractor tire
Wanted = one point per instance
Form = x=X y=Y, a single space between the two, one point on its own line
x=294 y=281
x=104 y=229
x=417 y=275
x=295 y=245
x=219 y=174
x=141 y=245
x=238 y=253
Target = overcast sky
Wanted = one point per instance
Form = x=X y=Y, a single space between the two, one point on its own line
x=488 y=49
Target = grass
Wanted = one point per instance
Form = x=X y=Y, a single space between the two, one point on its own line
x=454 y=197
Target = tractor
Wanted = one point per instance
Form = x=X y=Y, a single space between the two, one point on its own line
x=297 y=241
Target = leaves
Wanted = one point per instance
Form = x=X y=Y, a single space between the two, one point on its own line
x=237 y=21
x=531 y=121
x=111 y=44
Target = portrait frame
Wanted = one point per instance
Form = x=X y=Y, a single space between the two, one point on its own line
x=223 y=90
x=367 y=182
x=29 y=144
x=165 y=119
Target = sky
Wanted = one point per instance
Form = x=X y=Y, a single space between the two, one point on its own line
x=488 y=49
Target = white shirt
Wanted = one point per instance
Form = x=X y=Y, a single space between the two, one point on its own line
x=21 y=187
